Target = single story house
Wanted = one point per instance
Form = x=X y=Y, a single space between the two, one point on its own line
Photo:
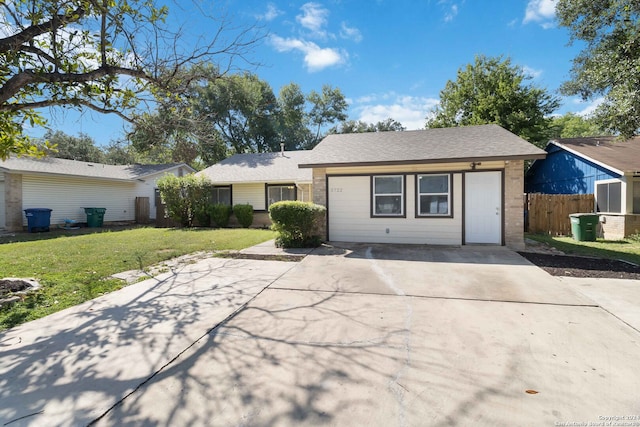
x=68 y=186
x=260 y=179
x=450 y=186
x=602 y=166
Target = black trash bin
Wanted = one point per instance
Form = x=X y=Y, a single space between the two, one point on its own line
x=95 y=216
x=38 y=219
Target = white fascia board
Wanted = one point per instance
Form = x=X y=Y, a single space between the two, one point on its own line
x=599 y=163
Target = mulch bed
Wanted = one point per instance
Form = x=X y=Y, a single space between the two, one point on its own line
x=576 y=266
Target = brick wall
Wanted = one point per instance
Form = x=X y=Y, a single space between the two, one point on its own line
x=514 y=205
x=320 y=194
x=617 y=227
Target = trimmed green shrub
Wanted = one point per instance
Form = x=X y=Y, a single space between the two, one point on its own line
x=220 y=214
x=297 y=223
x=244 y=214
x=186 y=198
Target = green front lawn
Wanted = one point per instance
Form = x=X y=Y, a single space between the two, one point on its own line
x=74 y=269
x=627 y=249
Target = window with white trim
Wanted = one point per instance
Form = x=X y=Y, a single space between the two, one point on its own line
x=609 y=196
x=434 y=195
x=388 y=195
x=636 y=196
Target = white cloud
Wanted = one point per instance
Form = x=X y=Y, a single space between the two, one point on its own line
x=409 y=110
x=313 y=18
x=532 y=72
x=587 y=107
x=542 y=11
x=350 y=33
x=271 y=13
x=453 y=11
x=316 y=58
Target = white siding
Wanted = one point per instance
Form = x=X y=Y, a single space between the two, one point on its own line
x=350 y=215
x=69 y=196
x=147 y=188
x=252 y=194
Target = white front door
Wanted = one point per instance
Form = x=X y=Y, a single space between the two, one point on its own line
x=483 y=207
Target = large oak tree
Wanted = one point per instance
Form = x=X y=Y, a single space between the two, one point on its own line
x=105 y=55
x=609 y=65
x=493 y=90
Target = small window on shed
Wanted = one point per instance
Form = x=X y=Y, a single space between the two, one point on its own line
x=609 y=197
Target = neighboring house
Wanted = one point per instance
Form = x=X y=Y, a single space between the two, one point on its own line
x=260 y=179
x=451 y=186
x=602 y=166
x=68 y=186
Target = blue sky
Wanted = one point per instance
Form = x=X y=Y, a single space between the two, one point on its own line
x=390 y=58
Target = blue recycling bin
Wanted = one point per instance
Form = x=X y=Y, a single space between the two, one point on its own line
x=38 y=219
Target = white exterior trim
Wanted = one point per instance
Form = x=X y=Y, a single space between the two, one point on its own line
x=599 y=163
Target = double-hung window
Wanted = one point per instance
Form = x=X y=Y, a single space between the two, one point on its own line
x=221 y=194
x=434 y=195
x=388 y=195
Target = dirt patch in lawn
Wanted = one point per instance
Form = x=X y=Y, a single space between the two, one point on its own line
x=576 y=266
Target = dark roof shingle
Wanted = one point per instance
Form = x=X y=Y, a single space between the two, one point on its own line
x=621 y=155
x=443 y=145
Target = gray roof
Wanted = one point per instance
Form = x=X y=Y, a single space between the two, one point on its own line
x=260 y=167
x=469 y=143
x=624 y=156
x=52 y=165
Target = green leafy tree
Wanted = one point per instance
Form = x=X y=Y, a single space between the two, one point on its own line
x=492 y=90
x=608 y=66
x=571 y=125
x=107 y=56
x=328 y=106
x=359 y=126
x=81 y=147
x=120 y=153
x=243 y=111
x=294 y=131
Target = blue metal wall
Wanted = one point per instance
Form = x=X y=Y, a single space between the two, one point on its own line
x=562 y=172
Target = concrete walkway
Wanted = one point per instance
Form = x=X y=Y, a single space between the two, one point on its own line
x=69 y=368
x=375 y=335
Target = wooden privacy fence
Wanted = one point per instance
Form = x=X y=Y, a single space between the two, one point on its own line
x=549 y=213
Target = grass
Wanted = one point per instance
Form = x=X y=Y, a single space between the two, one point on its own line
x=627 y=249
x=76 y=268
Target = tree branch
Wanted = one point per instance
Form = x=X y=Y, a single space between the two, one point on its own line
x=14 y=42
x=27 y=77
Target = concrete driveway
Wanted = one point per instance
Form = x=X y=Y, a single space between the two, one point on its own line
x=353 y=335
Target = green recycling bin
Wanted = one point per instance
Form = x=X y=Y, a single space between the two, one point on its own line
x=95 y=216
x=584 y=226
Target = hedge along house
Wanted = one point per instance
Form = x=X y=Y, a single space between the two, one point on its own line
x=68 y=186
x=602 y=166
x=452 y=186
x=260 y=179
